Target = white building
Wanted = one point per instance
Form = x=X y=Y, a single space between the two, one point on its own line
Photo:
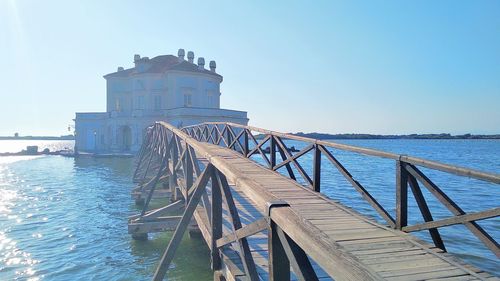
x=167 y=88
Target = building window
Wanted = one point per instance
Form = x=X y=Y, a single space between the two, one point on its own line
x=210 y=99
x=188 y=97
x=188 y=100
x=157 y=103
x=140 y=102
x=117 y=105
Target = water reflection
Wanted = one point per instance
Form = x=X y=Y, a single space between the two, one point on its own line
x=66 y=219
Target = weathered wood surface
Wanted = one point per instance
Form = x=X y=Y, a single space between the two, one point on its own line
x=340 y=242
x=260 y=225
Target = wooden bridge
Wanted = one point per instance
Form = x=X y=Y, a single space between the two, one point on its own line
x=271 y=222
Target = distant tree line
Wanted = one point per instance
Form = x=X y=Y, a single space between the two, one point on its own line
x=411 y=136
x=17 y=137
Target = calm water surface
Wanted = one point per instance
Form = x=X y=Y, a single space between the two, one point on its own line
x=18 y=145
x=66 y=219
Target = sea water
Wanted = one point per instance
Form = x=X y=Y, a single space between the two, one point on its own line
x=66 y=219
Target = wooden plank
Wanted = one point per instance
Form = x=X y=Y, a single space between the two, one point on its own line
x=406 y=272
x=407 y=264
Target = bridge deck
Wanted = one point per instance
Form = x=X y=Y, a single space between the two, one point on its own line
x=386 y=253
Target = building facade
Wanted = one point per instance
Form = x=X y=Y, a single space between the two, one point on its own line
x=167 y=88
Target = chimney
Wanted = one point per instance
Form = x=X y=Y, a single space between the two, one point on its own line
x=180 y=54
x=137 y=57
x=201 y=63
x=120 y=68
x=212 y=65
x=191 y=56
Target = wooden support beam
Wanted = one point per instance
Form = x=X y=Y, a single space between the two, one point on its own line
x=290 y=158
x=211 y=136
x=477 y=230
x=236 y=138
x=245 y=254
x=364 y=193
x=160 y=211
x=460 y=219
x=220 y=136
x=425 y=211
x=258 y=148
x=168 y=255
x=147 y=138
x=297 y=258
x=247 y=230
x=168 y=223
x=197 y=170
x=288 y=166
x=153 y=185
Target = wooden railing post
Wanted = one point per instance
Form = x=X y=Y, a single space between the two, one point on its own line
x=188 y=172
x=229 y=138
x=272 y=152
x=245 y=143
x=216 y=220
x=279 y=265
x=172 y=180
x=401 y=195
x=317 y=169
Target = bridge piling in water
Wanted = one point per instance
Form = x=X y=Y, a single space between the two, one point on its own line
x=260 y=224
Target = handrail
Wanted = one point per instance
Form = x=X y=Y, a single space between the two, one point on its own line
x=462 y=171
x=408 y=176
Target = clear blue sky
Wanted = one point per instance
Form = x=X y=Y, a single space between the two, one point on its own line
x=338 y=67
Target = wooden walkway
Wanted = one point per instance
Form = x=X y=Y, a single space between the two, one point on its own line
x=390 y=254
x=273 y=228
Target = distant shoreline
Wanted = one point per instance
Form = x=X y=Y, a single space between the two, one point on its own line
x=324 y=136
x=69 y=137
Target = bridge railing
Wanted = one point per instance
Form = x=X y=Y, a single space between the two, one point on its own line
x=168 y=151
x=250 y=140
